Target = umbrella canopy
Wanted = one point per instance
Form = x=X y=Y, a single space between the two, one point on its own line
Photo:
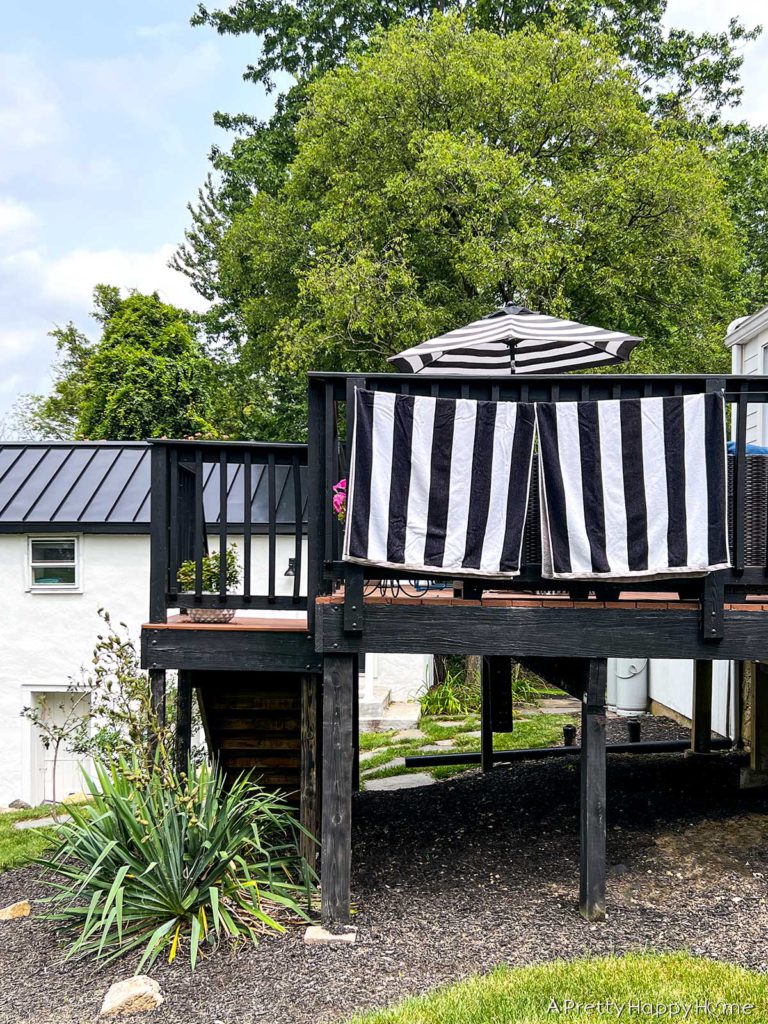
x=515 y=340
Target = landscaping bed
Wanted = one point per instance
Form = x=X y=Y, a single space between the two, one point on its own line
x=460 y=876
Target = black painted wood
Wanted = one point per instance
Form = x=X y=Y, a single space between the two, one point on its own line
x=338 y=697
x=232 y=650
x=486 y=726
x=353 y=584
x=315 y=504
x=544 y=632
x=701 y=724
x=309 y=791
x=157 y=700
x=158 y=537
x=356 y=726
x=501 y=694
x=592 y=804
x=183 y=720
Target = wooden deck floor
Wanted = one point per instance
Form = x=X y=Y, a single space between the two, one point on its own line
x=258 y=623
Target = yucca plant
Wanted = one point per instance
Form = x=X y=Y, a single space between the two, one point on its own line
x=159 y=861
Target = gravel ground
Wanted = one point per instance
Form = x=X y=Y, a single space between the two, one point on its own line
x=456 y=877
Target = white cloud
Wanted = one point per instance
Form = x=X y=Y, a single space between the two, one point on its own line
x=71 y=278
x=15 y=217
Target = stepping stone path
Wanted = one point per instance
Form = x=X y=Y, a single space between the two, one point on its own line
x=396 y=762
x=368 y=754
x=449 y=725
x=411 y=781
x=41 y=822
x=443 y=743
x=408 y=734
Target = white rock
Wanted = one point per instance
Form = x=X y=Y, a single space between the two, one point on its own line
x=134 y=995
x=16 y=910
x=316 y=935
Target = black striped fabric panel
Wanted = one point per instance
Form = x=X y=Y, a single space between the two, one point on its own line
x=438 y=485
x=633 y=488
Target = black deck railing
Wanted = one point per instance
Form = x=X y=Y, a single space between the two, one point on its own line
x=331 y=412
x=249 y=494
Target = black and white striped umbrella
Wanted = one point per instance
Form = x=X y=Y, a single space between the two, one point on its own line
x=513 y=339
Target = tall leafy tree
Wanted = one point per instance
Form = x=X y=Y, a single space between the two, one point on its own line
x=681 y=74
x=446 y=170
x=146 y=376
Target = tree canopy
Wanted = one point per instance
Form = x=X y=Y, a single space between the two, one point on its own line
x=146 y=376
x=444 y=171
x=681 y=75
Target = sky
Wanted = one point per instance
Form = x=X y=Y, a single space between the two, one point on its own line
x=105 y=128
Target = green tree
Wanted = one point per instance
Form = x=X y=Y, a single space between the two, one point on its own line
x=681 y=74
x=448 y=170
x=146 y=376
x=745 y=169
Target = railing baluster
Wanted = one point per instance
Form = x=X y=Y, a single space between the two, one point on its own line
x=298 y=515
x=174 y=519
x=223 y=496
x=272 y=525
x=330 y=470
x=740 y=479
x=247 y=524
x=199 y=523
x=158 y=602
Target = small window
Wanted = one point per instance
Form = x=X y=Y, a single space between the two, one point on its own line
x=53 y=563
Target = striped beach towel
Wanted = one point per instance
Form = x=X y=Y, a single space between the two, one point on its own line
x=633 y=488
x=438 y=485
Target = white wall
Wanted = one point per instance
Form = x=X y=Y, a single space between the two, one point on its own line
x=670 y=682
x=48 y=637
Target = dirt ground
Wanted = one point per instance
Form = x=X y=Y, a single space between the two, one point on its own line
x=456 y=877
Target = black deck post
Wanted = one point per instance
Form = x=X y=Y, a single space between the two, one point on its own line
x=309 y=796
x=157 y=700
x=183 y=720
x=159 y=550
x=701 y=724
x=592 y=819
x=486 y=722
x=338 y=699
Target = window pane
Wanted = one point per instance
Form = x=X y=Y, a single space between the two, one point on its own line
x=53 y=575
x=53 y=551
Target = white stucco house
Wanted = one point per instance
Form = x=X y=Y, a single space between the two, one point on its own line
x=74 y=538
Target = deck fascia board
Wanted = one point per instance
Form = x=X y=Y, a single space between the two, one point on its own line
x=441 y=628
x=223 y=648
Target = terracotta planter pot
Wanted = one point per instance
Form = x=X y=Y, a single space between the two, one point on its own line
x=211 y=615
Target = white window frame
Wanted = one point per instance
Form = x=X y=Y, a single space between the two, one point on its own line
x=53 y=588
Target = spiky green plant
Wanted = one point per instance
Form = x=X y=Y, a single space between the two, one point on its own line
x=160 y=861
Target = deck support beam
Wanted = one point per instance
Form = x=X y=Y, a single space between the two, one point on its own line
x=183 y=720
x=701 y=723
x=592 y=805
x=338 y=752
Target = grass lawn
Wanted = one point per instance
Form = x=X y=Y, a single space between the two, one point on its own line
x=671 y=984
x=534 y=730
x=20 y=846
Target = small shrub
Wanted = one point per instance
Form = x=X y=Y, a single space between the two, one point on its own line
x=159 y=861
x=453 y=695
x=211 y=572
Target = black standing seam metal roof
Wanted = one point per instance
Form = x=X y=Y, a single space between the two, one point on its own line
x=106 y=485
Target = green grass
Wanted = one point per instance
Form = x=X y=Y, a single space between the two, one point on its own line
x=536 y=731
x=20 y=846
x=525 y=995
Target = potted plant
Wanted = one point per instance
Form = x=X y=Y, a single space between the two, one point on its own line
x=211 y=575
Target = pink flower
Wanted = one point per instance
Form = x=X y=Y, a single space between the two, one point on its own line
x=340 y=500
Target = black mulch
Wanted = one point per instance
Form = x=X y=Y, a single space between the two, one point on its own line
x=456 y=877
